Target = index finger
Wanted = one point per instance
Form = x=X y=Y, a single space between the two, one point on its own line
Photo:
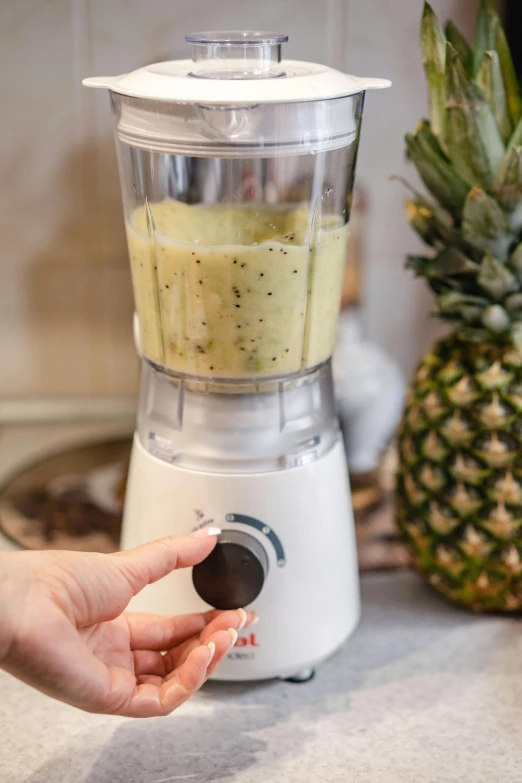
x=110 y=581
x=147 y=563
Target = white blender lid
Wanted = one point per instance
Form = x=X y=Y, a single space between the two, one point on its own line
x=171 y=81
x=236 y=67
x=235 y=89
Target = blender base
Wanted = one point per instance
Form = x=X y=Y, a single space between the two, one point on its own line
x=302 y=518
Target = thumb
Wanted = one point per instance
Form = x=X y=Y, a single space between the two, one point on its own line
x=108 y=582
x=147 y=563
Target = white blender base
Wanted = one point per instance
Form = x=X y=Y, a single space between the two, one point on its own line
x=309 y=603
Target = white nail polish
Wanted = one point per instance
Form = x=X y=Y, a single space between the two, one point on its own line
x=242 y=618
x=233 y=634
x=255 y=619
x=211 y=650
x=204 y=532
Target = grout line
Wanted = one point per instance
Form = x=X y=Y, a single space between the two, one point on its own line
x=102 y=373
x=336 y=33
x=80 y=65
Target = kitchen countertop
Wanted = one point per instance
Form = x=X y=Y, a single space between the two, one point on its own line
x=422 y=693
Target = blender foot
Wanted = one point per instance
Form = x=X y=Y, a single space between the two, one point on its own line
x=305 y=675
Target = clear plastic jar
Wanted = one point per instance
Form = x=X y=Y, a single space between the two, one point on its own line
x=236 y=210
x=237 y=264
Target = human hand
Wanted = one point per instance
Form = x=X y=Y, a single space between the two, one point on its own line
x=63 y=628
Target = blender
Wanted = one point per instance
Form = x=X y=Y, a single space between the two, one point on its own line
x=236 y=172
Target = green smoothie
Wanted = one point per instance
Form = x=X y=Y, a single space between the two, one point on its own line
x=235 y=292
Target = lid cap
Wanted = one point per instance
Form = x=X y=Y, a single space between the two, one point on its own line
x=236 y=54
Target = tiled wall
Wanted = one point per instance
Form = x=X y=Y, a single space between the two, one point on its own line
x=65 y=298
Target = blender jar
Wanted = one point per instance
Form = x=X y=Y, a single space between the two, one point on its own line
x=238 y=263
x=236 y=198
x=236 y=171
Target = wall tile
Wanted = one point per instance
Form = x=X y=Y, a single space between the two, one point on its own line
x=78 y=339
x=57 y=331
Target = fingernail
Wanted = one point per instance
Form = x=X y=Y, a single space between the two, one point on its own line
x=255 y=618
x=204 y=532
x=242 y=618
x=211 y=650
x=233 y=634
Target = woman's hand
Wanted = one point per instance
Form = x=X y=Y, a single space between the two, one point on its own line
x=63 y=628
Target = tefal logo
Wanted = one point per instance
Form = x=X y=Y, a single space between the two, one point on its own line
x=247 y=641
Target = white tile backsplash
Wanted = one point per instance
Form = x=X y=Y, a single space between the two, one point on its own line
x=65 y=296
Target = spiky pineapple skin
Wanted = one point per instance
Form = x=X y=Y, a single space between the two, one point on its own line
x=459 y=483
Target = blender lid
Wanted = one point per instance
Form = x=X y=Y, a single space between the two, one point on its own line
x=236 y=67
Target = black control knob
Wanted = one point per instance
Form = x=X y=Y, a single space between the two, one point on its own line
x=233 y=574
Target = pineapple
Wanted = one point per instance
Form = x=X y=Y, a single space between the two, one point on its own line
x=459 y=488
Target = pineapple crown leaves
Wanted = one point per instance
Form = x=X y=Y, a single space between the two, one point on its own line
x=461 y=46
x=434 y=60
x=469 y=157
x=472 y=139
x=490 y=36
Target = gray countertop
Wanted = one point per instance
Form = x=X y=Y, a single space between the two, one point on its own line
x=422 y=692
